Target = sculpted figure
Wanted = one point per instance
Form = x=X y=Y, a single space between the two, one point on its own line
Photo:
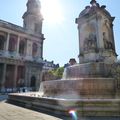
x=90 y=42
x=107 y=44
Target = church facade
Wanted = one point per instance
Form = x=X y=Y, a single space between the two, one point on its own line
x=21 y=50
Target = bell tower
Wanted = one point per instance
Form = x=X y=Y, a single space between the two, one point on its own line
x=32 y=18
x=96 y=39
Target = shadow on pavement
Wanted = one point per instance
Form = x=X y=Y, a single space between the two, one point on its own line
x=3 y=97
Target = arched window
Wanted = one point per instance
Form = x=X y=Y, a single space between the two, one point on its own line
x=20 y=76
x=12 y=43
x=2 y=40
x=22 y=46
x=108 y=43
x=33 y=81
x=34 y=49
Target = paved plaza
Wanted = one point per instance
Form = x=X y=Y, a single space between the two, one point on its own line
x=12 y=112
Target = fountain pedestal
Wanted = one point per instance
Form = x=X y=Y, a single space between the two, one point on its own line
x=90 y=80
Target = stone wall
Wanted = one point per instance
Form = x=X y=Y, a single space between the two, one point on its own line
x=80 y=88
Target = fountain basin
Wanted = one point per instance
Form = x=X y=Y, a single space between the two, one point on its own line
x=80 y=88
x=87 y=70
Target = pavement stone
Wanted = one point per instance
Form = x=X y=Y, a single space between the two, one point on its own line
x=12 y=112
x=3 y=97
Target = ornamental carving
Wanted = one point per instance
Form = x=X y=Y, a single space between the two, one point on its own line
x=90 y=42
x=107 y=44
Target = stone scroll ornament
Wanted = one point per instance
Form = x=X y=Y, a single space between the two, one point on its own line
x=116 y=73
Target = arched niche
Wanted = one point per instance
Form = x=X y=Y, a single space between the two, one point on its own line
x=13 y=43
x=34 y=49
x=89 y=37
x=22 y=46
x=108 y=44
x=33 y=82
x=89 y=28
x=105 y=30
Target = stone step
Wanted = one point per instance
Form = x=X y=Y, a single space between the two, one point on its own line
x=84 y=107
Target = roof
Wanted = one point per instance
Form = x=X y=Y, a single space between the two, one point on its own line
x=94 y=8
x=17 y=28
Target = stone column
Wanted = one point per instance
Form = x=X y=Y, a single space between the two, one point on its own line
x=39 y=79
x=41 y=47
x=39 y=53
x=25 y=50
x=15 y=76
x=7 y=44
x=99 y=34
x=39 y=75
x=18 y=42
x=3 y=78
x=29 y=76
x=112 y=36
x=26 y=76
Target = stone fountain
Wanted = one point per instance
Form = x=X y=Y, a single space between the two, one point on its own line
x=92 y=87
x=93 y=77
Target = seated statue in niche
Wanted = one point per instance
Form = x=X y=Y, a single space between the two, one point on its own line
x=107 y=44
x=90 y=43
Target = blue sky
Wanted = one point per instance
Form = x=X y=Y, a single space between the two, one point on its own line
x=61 y=41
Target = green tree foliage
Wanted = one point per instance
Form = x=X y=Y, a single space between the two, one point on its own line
x=57 y=72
